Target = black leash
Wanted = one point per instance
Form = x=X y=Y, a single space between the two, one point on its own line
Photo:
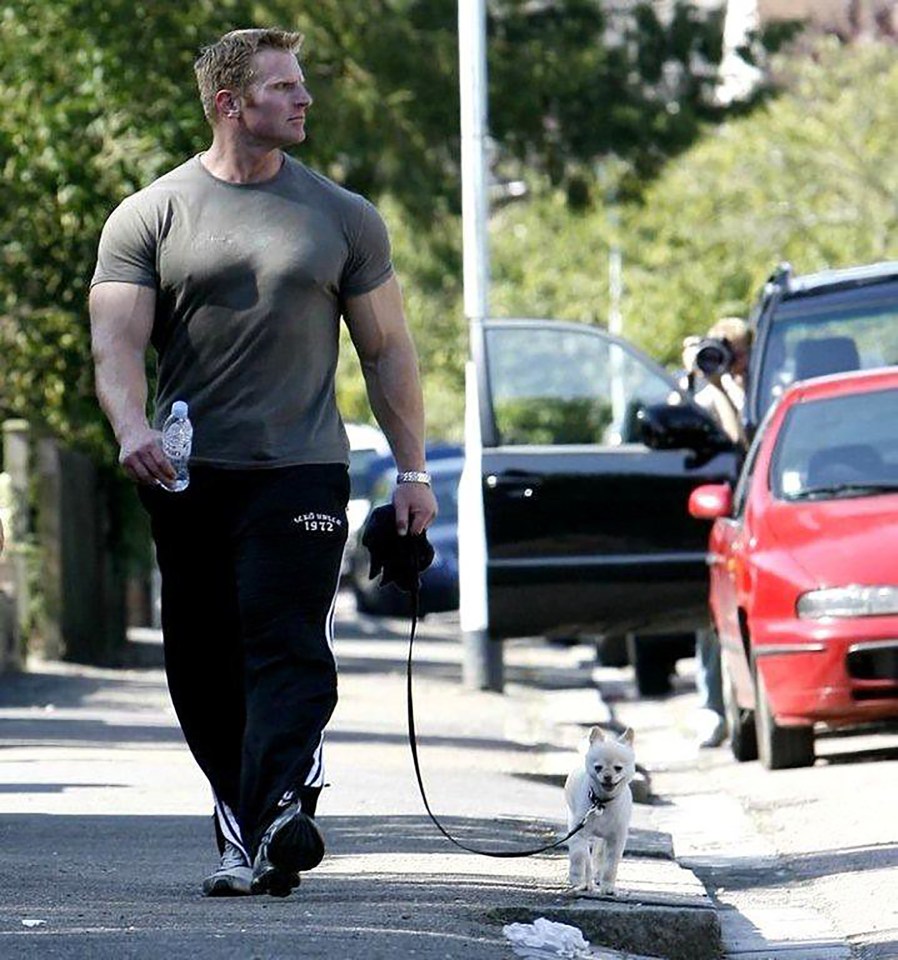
x=401 y=560
x=413 y=744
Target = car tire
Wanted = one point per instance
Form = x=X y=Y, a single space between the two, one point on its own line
x=651 y=665
x=780 y=748
x=740 y=722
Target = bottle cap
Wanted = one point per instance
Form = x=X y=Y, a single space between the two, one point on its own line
x=179 y=409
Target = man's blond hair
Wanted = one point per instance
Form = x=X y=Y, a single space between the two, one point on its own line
x=227 y=64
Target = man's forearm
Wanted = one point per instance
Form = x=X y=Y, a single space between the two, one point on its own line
x=121 y=382
x=121 y=321
x=121 y=385
x=394 y=392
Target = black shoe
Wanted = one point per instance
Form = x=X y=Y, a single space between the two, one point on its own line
x=291 y=843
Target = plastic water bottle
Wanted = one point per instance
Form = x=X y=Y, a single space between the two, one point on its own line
x=177 y=440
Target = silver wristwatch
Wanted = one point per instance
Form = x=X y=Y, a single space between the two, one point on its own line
x=413 y=476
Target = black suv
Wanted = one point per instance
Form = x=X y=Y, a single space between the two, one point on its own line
x=828 y=322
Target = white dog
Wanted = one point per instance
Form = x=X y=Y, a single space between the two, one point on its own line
x=600 y=788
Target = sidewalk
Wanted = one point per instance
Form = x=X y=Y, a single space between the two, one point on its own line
x=105 y=829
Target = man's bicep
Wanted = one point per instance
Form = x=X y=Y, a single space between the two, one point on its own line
x=122 y=312
x=375 y=318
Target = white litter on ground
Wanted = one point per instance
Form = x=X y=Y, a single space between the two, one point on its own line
x=546 y=938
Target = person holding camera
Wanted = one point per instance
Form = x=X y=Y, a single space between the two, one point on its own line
x=721 y=360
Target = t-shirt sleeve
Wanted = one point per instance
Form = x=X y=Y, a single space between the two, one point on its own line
x=127 y=249
x=369 y=262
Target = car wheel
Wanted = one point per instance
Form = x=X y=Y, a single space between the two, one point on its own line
x=741 y=723
x=651 y=664
x=780 y=747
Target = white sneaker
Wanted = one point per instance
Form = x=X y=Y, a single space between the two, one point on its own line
x=234 y=876
x=712 y=729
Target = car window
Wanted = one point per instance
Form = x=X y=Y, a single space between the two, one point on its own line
x=837 y=446
x=829 y=333
x=562 y=386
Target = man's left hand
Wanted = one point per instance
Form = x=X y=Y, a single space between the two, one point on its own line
x=416 y=507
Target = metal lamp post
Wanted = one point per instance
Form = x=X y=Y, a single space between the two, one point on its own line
x=482 y=659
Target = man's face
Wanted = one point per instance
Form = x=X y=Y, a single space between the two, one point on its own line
x=275 y=105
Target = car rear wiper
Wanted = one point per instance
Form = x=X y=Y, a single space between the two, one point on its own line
x=853 y=489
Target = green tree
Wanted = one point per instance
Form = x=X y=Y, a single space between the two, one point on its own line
x=808 y=177
x=96 y=106
x=573 y=81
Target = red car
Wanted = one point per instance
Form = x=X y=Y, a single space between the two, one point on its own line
x=804 y=568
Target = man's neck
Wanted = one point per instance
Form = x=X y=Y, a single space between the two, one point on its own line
x=234 y=164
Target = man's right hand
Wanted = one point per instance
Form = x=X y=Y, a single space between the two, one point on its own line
x=142 y=458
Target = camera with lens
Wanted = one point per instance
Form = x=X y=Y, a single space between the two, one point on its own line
x=713 y=357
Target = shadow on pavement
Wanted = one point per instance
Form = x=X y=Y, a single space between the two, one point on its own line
x=47 y=731
x=886 y=950
x=749 y=873
x=338 y=735
x=70 y=688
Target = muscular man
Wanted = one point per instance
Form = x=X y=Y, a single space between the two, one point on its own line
x=237 y=267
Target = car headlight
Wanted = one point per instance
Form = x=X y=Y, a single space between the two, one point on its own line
x=854 y=601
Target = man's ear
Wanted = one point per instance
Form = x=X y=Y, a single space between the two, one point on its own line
x=227 y=104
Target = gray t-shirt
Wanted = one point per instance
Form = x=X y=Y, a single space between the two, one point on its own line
x=250 y=282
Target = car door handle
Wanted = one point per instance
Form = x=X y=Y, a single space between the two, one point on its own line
x=515 y=483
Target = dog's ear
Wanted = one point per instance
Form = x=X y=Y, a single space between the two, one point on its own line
x=627 y=736
x=596 y=734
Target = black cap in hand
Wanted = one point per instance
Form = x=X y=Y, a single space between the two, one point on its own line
x=398 y=559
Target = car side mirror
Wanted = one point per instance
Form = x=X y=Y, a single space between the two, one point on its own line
x=681 y=426
x=710 y=501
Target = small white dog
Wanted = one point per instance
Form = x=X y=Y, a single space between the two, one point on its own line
x=600 y=788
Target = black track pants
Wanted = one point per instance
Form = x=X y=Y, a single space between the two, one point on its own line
x=250 y=564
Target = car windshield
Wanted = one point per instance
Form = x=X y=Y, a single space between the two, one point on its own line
x=843 y=446
x=817 y=334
